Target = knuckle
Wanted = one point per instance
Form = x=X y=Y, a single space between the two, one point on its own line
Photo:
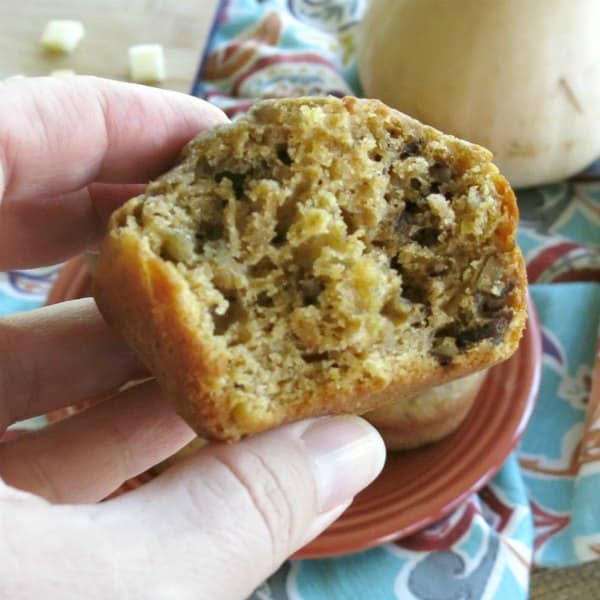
x=271 y=500
x=123 y=459
x=42 y=481
x=19 y=383
x=30 y=471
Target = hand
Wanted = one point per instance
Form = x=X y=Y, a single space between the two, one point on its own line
x=213 y=526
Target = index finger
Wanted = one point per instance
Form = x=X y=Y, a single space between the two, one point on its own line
x=58 y=135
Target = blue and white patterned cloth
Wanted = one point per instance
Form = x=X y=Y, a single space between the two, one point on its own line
x=543 y=507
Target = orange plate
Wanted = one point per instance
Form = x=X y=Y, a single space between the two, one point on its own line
x=417 y=487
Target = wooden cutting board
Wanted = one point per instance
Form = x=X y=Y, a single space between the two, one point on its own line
x=181 y=26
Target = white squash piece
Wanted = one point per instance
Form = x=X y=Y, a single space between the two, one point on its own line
x=62 y=73
x=147 y=63
x=62 y=36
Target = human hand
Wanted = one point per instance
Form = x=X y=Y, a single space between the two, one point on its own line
x=213 y=526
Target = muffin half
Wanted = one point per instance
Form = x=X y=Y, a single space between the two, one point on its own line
x=316 y=256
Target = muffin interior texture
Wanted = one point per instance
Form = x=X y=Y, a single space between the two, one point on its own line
x=329 y=244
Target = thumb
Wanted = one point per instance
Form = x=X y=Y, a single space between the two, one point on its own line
x=224 y=520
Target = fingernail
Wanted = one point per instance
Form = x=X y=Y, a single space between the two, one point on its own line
x=347 y=454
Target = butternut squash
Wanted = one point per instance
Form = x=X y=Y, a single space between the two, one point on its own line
x=521 y=77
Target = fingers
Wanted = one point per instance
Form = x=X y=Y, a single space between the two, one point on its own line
x=86 y=457
x=57 y=356
x=58 y=136
x=64 y=134
x=226 y=518
x=53 y=552
x=37 y=233
x=213 y=527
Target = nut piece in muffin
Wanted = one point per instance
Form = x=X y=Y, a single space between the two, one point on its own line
x=316 y=256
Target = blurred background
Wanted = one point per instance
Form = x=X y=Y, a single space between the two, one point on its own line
x=111 y=27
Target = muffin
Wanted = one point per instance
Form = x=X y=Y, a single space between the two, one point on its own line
x=429 y=416
x=316 y=256
x=404 y=425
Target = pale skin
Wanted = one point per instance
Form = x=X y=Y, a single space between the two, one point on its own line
x=215 y=525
